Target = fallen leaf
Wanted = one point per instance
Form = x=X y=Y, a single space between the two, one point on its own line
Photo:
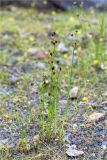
x=65 y=56
x=96 y=116
x=31 y=38
x=96 y=62
x=6 y=116
x=74 y=92
x=85 y=99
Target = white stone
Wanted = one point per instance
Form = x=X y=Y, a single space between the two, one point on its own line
x=96 y=116
x=74 y=152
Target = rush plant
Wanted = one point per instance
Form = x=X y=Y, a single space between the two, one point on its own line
x=49 y=99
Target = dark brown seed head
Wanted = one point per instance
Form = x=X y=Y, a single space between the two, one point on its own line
x=53 y=68
x=53 y=34
x=49 y=94
x=72 y=35
x=53 y=42
x=51 y=53
x=60 y=68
